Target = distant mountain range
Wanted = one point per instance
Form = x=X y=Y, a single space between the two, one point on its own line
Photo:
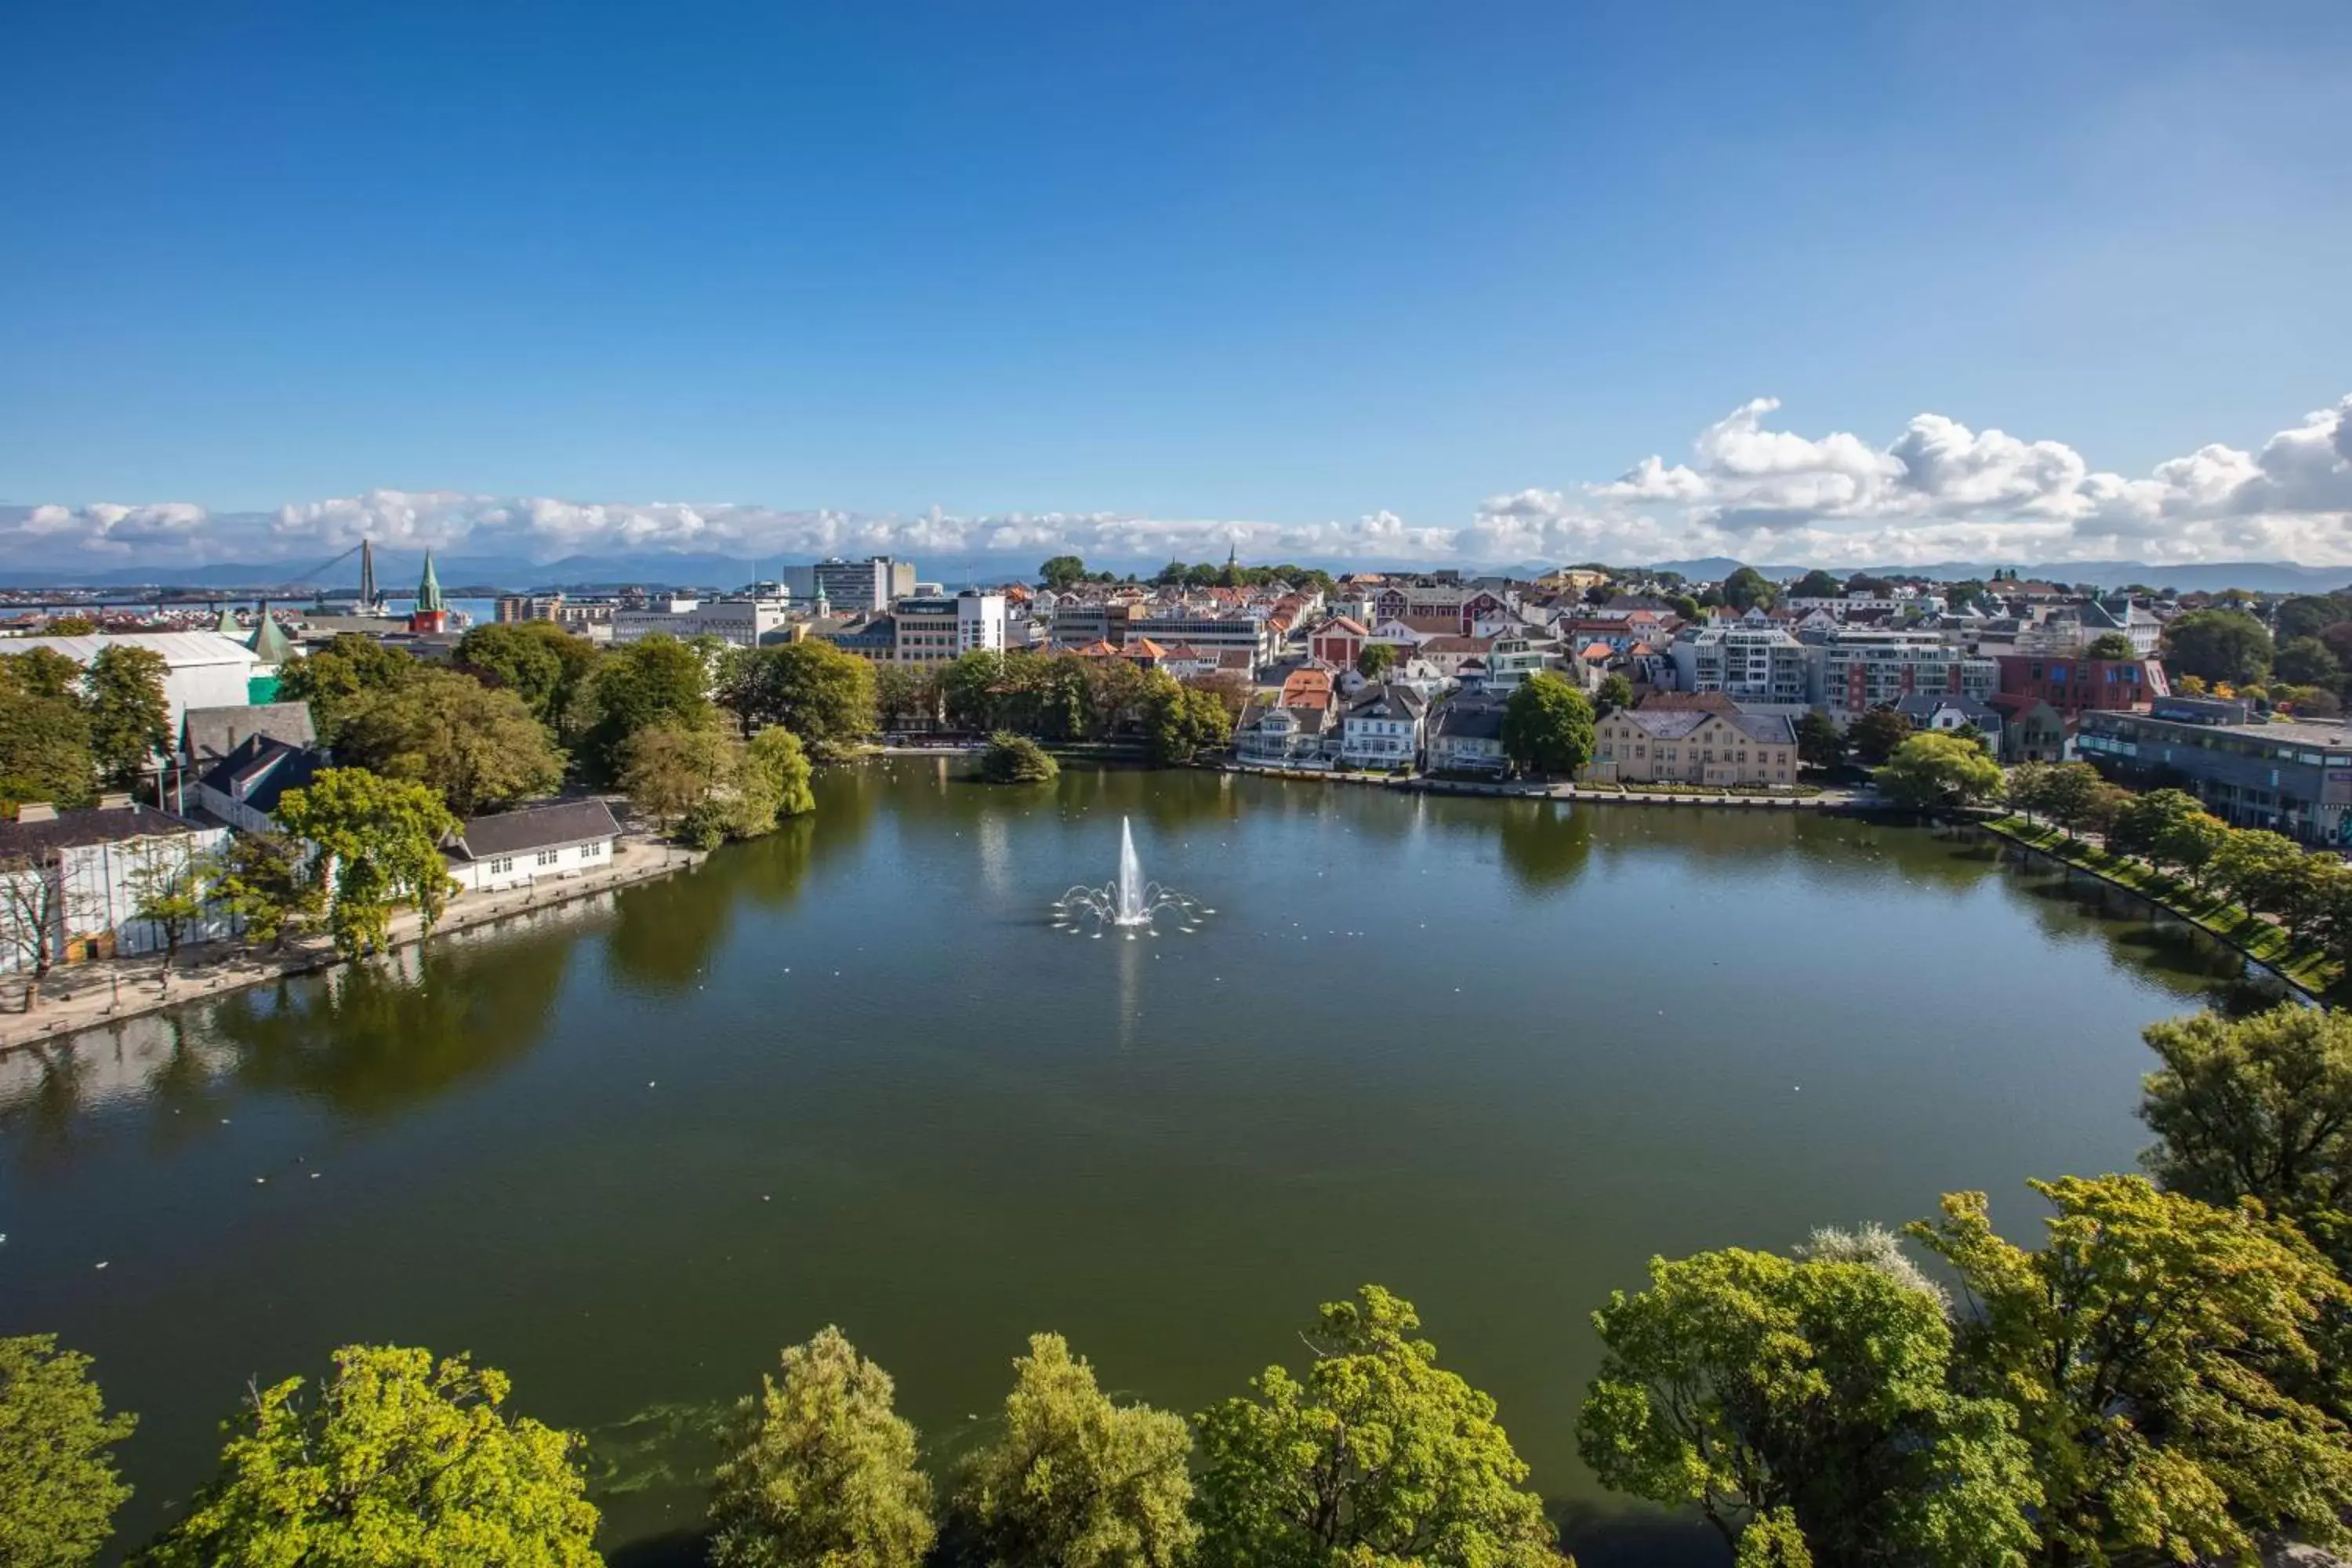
x=395 y=571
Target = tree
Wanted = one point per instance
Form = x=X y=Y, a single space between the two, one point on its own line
x=1819 y=742
x=1016 y=760
x=59 y=1486
x=329 y=679
x=1061 y=572
x=478 y=745
x=1873 y=737
x=545 y=666
x=380 y=840
x=261 y=879
x=2218 y=646
x=2027 y=789
x=72 y=626
x=901 y=692
x=1615 y=693
x=776 y=768
x=36 y=909
x=2070 y=794
x=2307 y=662
x=811 y=688
x=173 y=887
x=669 y=770
x=822 y=1471
x=1816 y=1392
x=640 y=685
x=1548 y=725
x=2308 y=615
x=130 y=719
x=1932 y=772
x=2111 y=646
x=1380 y=1458
x=2168 y=828
x=1072 y=1481
x=1684 y=607
x=2254 y=1107
x=1375 y=660
x=1817 y=584
x=398 y=1459
x=1183 y=720
x=45 y=738
x=2245 y=864
x=2145 y=1350
x=1748 y=589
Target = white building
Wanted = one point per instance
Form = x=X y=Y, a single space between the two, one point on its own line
x=512 y=848
x=203 y=669
x=935 y=628
x=79 y=874
x=1382 y=729
x=744 y=622
x=1746 y=664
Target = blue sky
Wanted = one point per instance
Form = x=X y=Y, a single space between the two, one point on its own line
x=1354 y=276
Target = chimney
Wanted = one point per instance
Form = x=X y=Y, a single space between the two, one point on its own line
x=37 y=810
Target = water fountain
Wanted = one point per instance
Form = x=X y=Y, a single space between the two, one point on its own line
x=1128 y=905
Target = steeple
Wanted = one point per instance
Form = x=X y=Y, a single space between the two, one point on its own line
x=226 y=626
x=428 y=591
x=270 y=644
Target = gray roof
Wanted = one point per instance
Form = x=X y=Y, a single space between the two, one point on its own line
x=1921 y=704
x=1388 y=699
x=1468 y=722
x=261 y=770
x=208 y=734
x=534 y=827
x=1674 y=723
x=95 y=824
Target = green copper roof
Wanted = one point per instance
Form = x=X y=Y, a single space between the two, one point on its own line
x=270 y=644
x=226 y=626
x=428 y=591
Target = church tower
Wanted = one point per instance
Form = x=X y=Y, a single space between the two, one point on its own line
x=430 y=614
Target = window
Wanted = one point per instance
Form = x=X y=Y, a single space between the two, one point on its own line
x=548 y=857
x=504 y=863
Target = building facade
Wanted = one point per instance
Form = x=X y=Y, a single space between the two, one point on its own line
x=2295 y=779
x=1700 y=746
x=1856 y=671
x=1746 y=664
x=934 y=628
x=741 y=623
x=76 y=879
x=2076 y=686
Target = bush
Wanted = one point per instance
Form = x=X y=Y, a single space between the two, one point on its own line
x=1016 y=759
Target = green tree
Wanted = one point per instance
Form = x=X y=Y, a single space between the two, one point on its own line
x=1375 y=660
x=1061 y=572
x=2245 y=864
x=641 y=684
x=1072 y=1481
x=2168 y=829
x=1748 y=589
x=260 y=880
x=2306 y=661
x=1754 y=1386
x=1548 y=725
x=1873 y=737
x=2111 y=646
x=776 y=768
x=380 y=841
x=1183 y=720
x=1819 y=742
x=2308 y=615
x=2218 y=646
x=329 y=679
x=1932 y=772
x=2146 y=1349
x=1817 y=584
x=1379 y=1458
x=72 y=626
x=671 y=770
x=1016 y=760
x=399 y=1459
x=45 y=738
x=2070 y=795
x=811 y=688
x=130 y=719
x=2254 y=1107
x=173 y=887
x=478 y=745
x=823 y=1472
x=2027 y=788
x=1615 y=693
x=59 y=1486
x=902 y=693
x=545 y=666
x=1682 y=605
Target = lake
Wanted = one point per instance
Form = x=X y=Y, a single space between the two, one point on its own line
x=1493 y=1054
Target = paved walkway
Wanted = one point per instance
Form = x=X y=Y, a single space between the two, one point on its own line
x=81 y=996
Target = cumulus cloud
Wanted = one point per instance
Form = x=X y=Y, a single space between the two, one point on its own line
x=1937 y=490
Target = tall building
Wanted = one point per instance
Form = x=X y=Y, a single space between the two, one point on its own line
x=742 y=622
x=1746 y=664
x=931 y=628
x=1855 y=671
x=852 y=586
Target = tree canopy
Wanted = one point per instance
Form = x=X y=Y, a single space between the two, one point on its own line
x=1012 y=759
x=1873 y=736
x=639 y=685
x=1374 y=660
x=2218 y=646
x=2110 y=646
x=822 y=1471
x=130 y=719
x=399 y=1459
x=1931 y=771
x=1548 y=725
x=1748 y=589
x=382 y=842
x=478 y=745
x=1378 y=1458
x=329 y=679
x=59 y=1485
x=811 y=688
x=1817 y=584
x=1182 y=721
x=543 y=665
x=1062 y=571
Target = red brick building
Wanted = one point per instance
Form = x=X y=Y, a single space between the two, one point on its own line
x=2073 y=686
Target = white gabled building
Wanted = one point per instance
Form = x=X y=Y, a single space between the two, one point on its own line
x=202 y=669
x=1382 y=728
x=512 y=848
x=79 y=874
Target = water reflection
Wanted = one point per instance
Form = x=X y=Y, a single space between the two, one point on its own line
x=1545 y=843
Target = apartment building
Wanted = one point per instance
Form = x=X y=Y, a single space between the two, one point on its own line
x=1746 y=664
x=1855 y=671
x=743 y=623
x=932 y=628
x=849 y=586
x=1689 y=745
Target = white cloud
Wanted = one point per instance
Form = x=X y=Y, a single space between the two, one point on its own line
x=1938 y=491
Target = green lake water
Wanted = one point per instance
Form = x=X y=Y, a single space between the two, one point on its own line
x=1493 y=1054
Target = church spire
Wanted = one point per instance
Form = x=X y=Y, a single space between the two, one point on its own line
x=428 y=591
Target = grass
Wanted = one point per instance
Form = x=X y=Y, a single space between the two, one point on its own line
x=2266 y=941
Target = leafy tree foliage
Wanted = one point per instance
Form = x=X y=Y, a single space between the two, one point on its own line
x=2245 y=864
x=2307 y=662
x=545 y=666
x=2166 y=827
x=1817 y=584
x=262 y=880
x=1747 y=588
x=2218 y=646
x=1061 y=572
x=2149 y=1350
x=1062 y=696
x=2111 y=646
x=1375 y=660
x=130 y=720
x=823 y=1471
x=1072 y=1481
x=902 y=693
x=1819 y=742
x=1183 y=720
x=478 y=745
x=2308 y=615
x=1379 y=1458
x=1016 y=760
x=59 y=1486
x=646 y=682
x=1931 y=771
x=331 y=677
x=776 y=771
x=811 y=688
x=1873 y=737
x=669 y=770
x=174 y=888
x=1548 y=725
x=1682 y=605
x=1615 y=693
x=1813 y=1394
x=2074 y=796
x=380 y=840
x=400 y=1459
x=45 y=738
